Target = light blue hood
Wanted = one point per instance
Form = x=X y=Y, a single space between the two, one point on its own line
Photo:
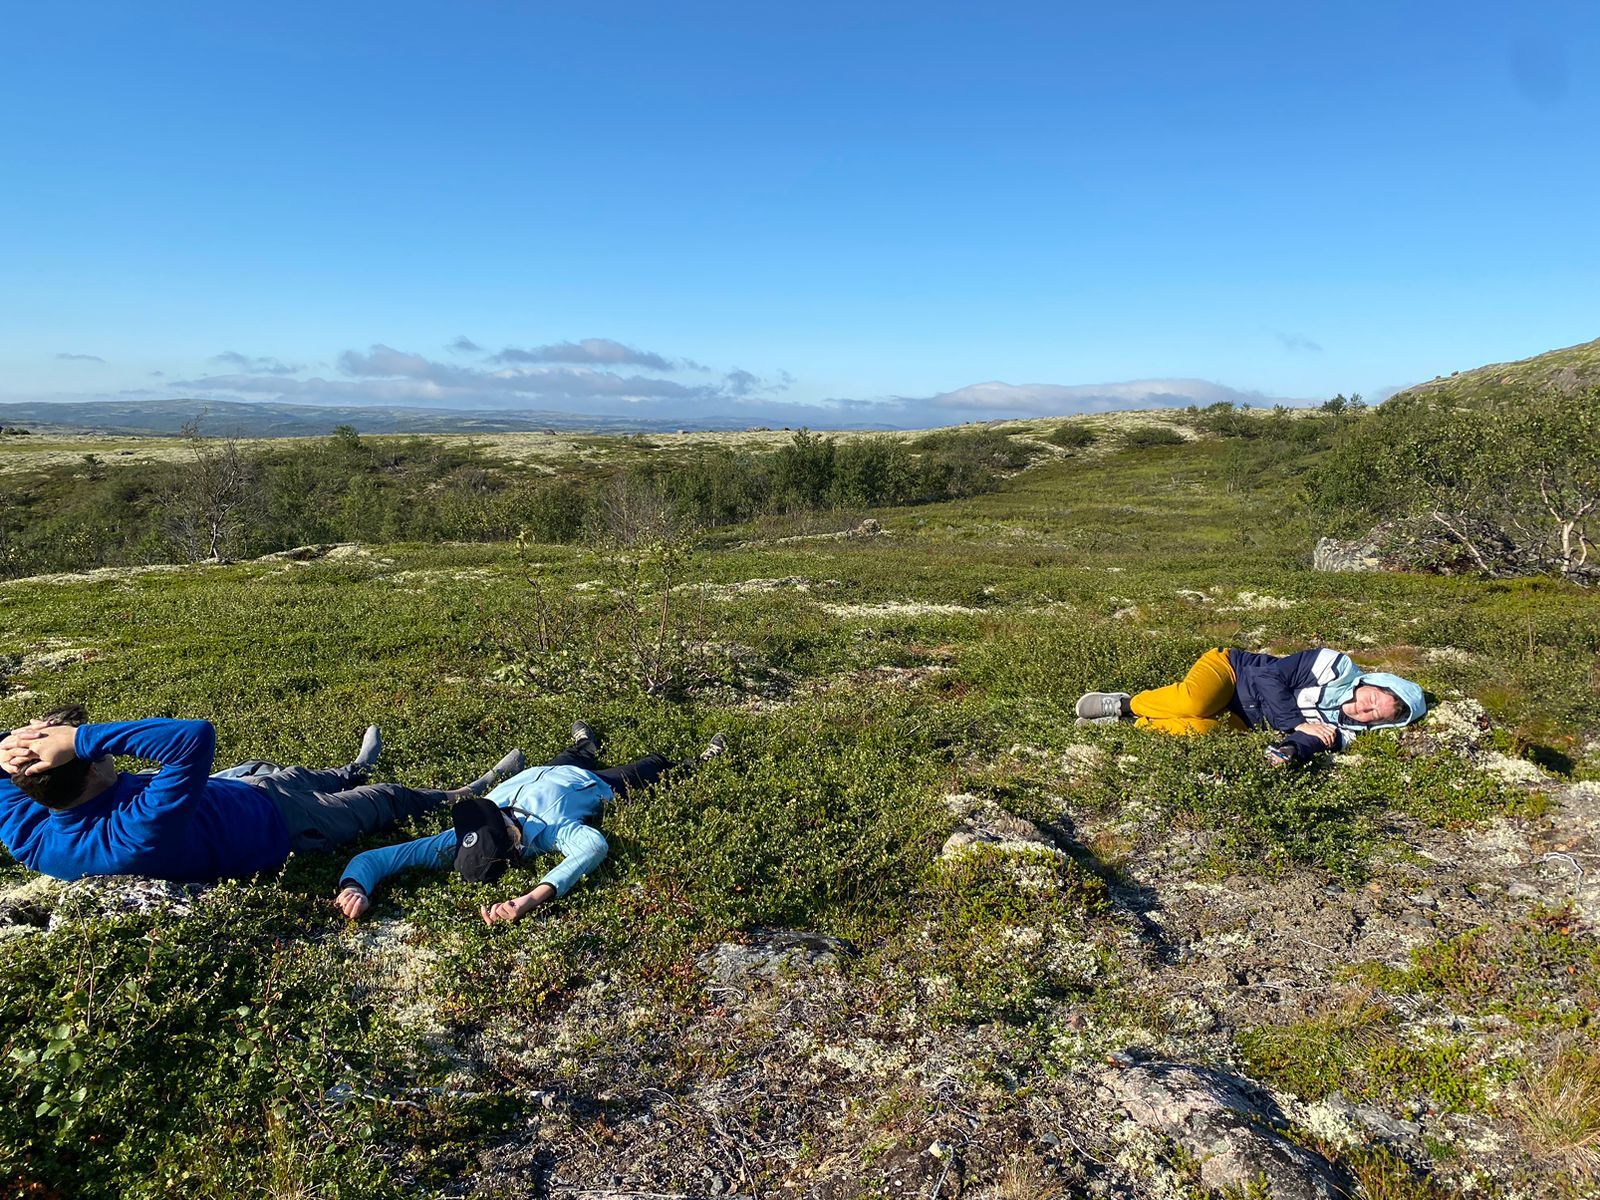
x=1400 y=686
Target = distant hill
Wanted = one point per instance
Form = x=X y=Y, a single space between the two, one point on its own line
x=225 y=418
x=1572 y=369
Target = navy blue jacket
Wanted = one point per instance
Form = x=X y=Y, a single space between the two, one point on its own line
x=1280 y=693
x=177 y=824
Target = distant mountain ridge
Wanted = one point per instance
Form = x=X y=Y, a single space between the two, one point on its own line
x=1570 y=369
x=248 y=419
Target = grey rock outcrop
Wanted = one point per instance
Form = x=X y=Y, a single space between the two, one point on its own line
x=1226 y=1126
x=1358 y=554
x=122 y=895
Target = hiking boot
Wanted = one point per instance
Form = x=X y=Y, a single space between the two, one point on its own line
x=583 y=732
x=1104 y=707
x=717 y=745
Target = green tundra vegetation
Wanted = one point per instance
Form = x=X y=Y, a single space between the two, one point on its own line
x=883 y=687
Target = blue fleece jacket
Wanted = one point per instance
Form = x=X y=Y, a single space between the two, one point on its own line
x=549 y=804
x=177 y=824
x=1313 y=685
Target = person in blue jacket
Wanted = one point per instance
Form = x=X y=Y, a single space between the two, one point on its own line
x=1318 y=699
x=541 y=810
x=67 y=811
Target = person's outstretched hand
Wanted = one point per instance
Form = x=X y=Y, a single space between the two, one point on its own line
x=509 y=910
x=352 y=902
x=1326 y=734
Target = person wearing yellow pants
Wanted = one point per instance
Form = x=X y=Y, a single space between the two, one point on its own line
x=1319 y=699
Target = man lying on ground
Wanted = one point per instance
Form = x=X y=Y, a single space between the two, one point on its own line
x=1319 y=699
x=69 y=812
x=540 y=810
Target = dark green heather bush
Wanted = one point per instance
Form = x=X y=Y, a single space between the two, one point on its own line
x=1143 y=437
x=1072 y=435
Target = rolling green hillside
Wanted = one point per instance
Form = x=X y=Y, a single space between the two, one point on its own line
x=1569 y=370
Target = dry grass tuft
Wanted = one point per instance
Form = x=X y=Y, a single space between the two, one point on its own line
x=1559 y=1113
x=1025 y=1178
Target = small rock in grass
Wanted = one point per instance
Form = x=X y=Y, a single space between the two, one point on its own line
x=773 y=953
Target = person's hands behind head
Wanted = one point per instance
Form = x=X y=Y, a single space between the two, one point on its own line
x=36 y=748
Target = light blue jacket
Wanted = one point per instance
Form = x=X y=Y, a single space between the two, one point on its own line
x=550 y=804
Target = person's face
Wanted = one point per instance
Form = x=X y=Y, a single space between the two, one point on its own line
x=1370 y=705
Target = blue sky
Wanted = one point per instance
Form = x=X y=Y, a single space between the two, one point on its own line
x=697 y=208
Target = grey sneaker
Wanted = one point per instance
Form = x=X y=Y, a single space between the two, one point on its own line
x=508 y=766
x=1102 y=706
x=717 y=745
x=583 y=732
x=371 y=747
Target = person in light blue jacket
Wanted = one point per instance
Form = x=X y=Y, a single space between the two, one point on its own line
x=545 y=809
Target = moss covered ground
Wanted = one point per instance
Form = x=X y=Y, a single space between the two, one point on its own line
x=879 y=693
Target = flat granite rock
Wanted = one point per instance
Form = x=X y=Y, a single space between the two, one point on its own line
x=1226 y=1125
x=773 y=953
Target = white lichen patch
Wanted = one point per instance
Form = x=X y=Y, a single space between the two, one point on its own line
x=1075 y=963
x=902 y=608
x=1447 y=654
x=1330 y=1122
x=53 y=654
x=1517 y=771
x=757 y=587
x=102 y=574
x=962 y=803
x=1222 y=945
x=438 y=574
x=395 y=964
x=1498 y=844
x=1461 y=721
x=1256 y=602
x=1080 y=760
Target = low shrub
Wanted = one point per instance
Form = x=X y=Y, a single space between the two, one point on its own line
x=1146 y=437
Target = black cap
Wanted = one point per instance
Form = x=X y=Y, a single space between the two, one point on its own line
x=484 y=848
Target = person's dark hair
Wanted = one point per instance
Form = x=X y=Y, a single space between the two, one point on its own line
x=72 y=714
x=59 y=787
x=1402 y=710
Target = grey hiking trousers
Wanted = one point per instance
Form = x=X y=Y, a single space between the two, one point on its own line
x=324 y=809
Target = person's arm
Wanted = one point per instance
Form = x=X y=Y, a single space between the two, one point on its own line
x=363 y=873
x=1296 y=749
x=583 y=848
x=185 y=750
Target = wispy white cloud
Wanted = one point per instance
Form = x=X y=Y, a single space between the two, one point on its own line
x=596 y=351
x=256 y=364
x=382 y=374
x=1298 y=343
x=66 y=357
x=462 y=344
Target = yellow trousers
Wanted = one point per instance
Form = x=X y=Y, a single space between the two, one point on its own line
x=1198 y=704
